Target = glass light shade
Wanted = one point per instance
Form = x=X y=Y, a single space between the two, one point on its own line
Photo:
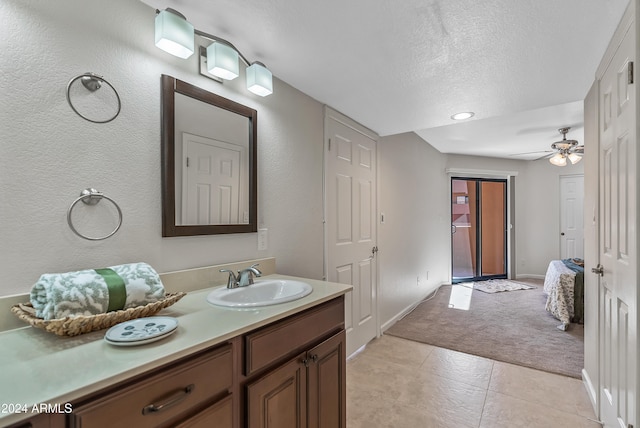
x=558 y=159
x=222 y=61
x=174 y=34
x=259 y=80
x=574 y=158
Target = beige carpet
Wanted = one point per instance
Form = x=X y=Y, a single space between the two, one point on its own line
x=509 y=326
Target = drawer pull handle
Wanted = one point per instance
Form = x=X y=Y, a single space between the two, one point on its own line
x=173 y=400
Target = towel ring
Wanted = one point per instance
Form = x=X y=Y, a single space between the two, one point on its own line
x=91 y=197
x=92 y=82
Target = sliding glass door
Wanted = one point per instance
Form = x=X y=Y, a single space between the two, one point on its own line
x=478 y=229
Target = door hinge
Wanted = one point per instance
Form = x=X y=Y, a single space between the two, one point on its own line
x=329 y=149
x=187 y=162
x=630 y=71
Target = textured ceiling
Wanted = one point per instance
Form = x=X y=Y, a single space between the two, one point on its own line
x=408 y=66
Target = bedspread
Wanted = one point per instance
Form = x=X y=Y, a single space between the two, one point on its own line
x=559 y=286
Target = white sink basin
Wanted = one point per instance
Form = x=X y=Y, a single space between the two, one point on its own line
x=260 y=293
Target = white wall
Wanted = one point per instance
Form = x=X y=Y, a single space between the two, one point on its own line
x=414 y=239
x=539 y=219
x=48 y=154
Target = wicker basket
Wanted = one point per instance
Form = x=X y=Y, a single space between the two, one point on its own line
x=73 y=326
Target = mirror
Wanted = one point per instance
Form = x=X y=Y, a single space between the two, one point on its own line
x=209 y=169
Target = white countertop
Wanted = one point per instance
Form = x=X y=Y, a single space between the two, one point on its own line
x=39 y=367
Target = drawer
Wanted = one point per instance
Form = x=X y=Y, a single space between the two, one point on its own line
x=160 y=399
x=219 y=415
x=291 y=335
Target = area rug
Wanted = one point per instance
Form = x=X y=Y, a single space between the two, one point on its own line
x=497 y=285
x=509 y=327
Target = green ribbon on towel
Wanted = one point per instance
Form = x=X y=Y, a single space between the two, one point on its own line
x=117 y=290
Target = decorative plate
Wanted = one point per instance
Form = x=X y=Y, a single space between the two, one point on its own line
x=141 y=330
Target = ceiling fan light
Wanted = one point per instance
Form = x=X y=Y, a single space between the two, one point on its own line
x=222 y=61
x=174 y=34
x=558 y=159
x=574 y=158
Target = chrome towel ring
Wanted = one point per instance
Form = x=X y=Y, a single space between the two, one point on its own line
x=92 y=83
x=91 y=197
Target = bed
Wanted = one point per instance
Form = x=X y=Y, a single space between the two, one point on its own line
x=564 y=287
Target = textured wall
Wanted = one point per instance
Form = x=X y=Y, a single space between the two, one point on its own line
x=48 y=154
x=414 y=238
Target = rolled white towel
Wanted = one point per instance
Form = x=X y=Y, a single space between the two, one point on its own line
x=95 y=291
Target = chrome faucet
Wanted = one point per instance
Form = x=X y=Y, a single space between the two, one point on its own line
x=243 y=278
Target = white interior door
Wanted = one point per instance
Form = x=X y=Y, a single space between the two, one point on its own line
x=211 y=182
x=350 y=215
x=571 y=216
x=618 y=238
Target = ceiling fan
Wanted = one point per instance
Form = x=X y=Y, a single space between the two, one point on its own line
x=563 y=150
x=566 y=149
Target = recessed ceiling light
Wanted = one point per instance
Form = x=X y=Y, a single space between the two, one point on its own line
x=463 y=115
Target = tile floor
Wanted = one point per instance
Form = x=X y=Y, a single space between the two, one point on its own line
x=395 y=383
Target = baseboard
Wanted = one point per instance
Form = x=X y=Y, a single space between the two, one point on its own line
x=529 y=275
x=384 y=327
x=591 y=392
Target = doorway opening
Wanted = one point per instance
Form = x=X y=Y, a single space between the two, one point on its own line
x=478 y=229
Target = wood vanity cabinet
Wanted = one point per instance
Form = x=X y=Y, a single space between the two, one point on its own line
x=287 y=374
x=295 y=371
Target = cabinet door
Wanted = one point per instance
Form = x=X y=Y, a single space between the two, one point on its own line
x=279 y=399
x=327 y=383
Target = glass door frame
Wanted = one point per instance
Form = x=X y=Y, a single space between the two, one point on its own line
x=478 y=276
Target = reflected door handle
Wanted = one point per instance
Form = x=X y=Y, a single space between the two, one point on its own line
x=453 y=228
x=599 y=270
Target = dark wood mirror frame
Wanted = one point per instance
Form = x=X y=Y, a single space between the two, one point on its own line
x=170 y=87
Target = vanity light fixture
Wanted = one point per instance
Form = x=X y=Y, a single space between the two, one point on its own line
x=463 y=115
x=259 y=79
x=174 y=34
x=221 y=56
x=222 y=61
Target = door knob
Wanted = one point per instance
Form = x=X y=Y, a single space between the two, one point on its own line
x=561 y=233
x=598 y=270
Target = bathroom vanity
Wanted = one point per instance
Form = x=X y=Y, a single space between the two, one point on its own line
x=280 y=365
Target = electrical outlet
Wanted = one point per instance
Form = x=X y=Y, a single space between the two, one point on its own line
x=262 y=239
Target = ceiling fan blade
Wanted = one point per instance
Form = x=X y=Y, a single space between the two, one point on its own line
x=578 y=149
x=532 y=153
x=545 y=156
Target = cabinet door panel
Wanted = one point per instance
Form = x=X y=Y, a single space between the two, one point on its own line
x=220 y=415
x=327 y=383
x=279 y=399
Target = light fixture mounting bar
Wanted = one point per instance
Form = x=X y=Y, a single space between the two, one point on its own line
x=223 y=41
